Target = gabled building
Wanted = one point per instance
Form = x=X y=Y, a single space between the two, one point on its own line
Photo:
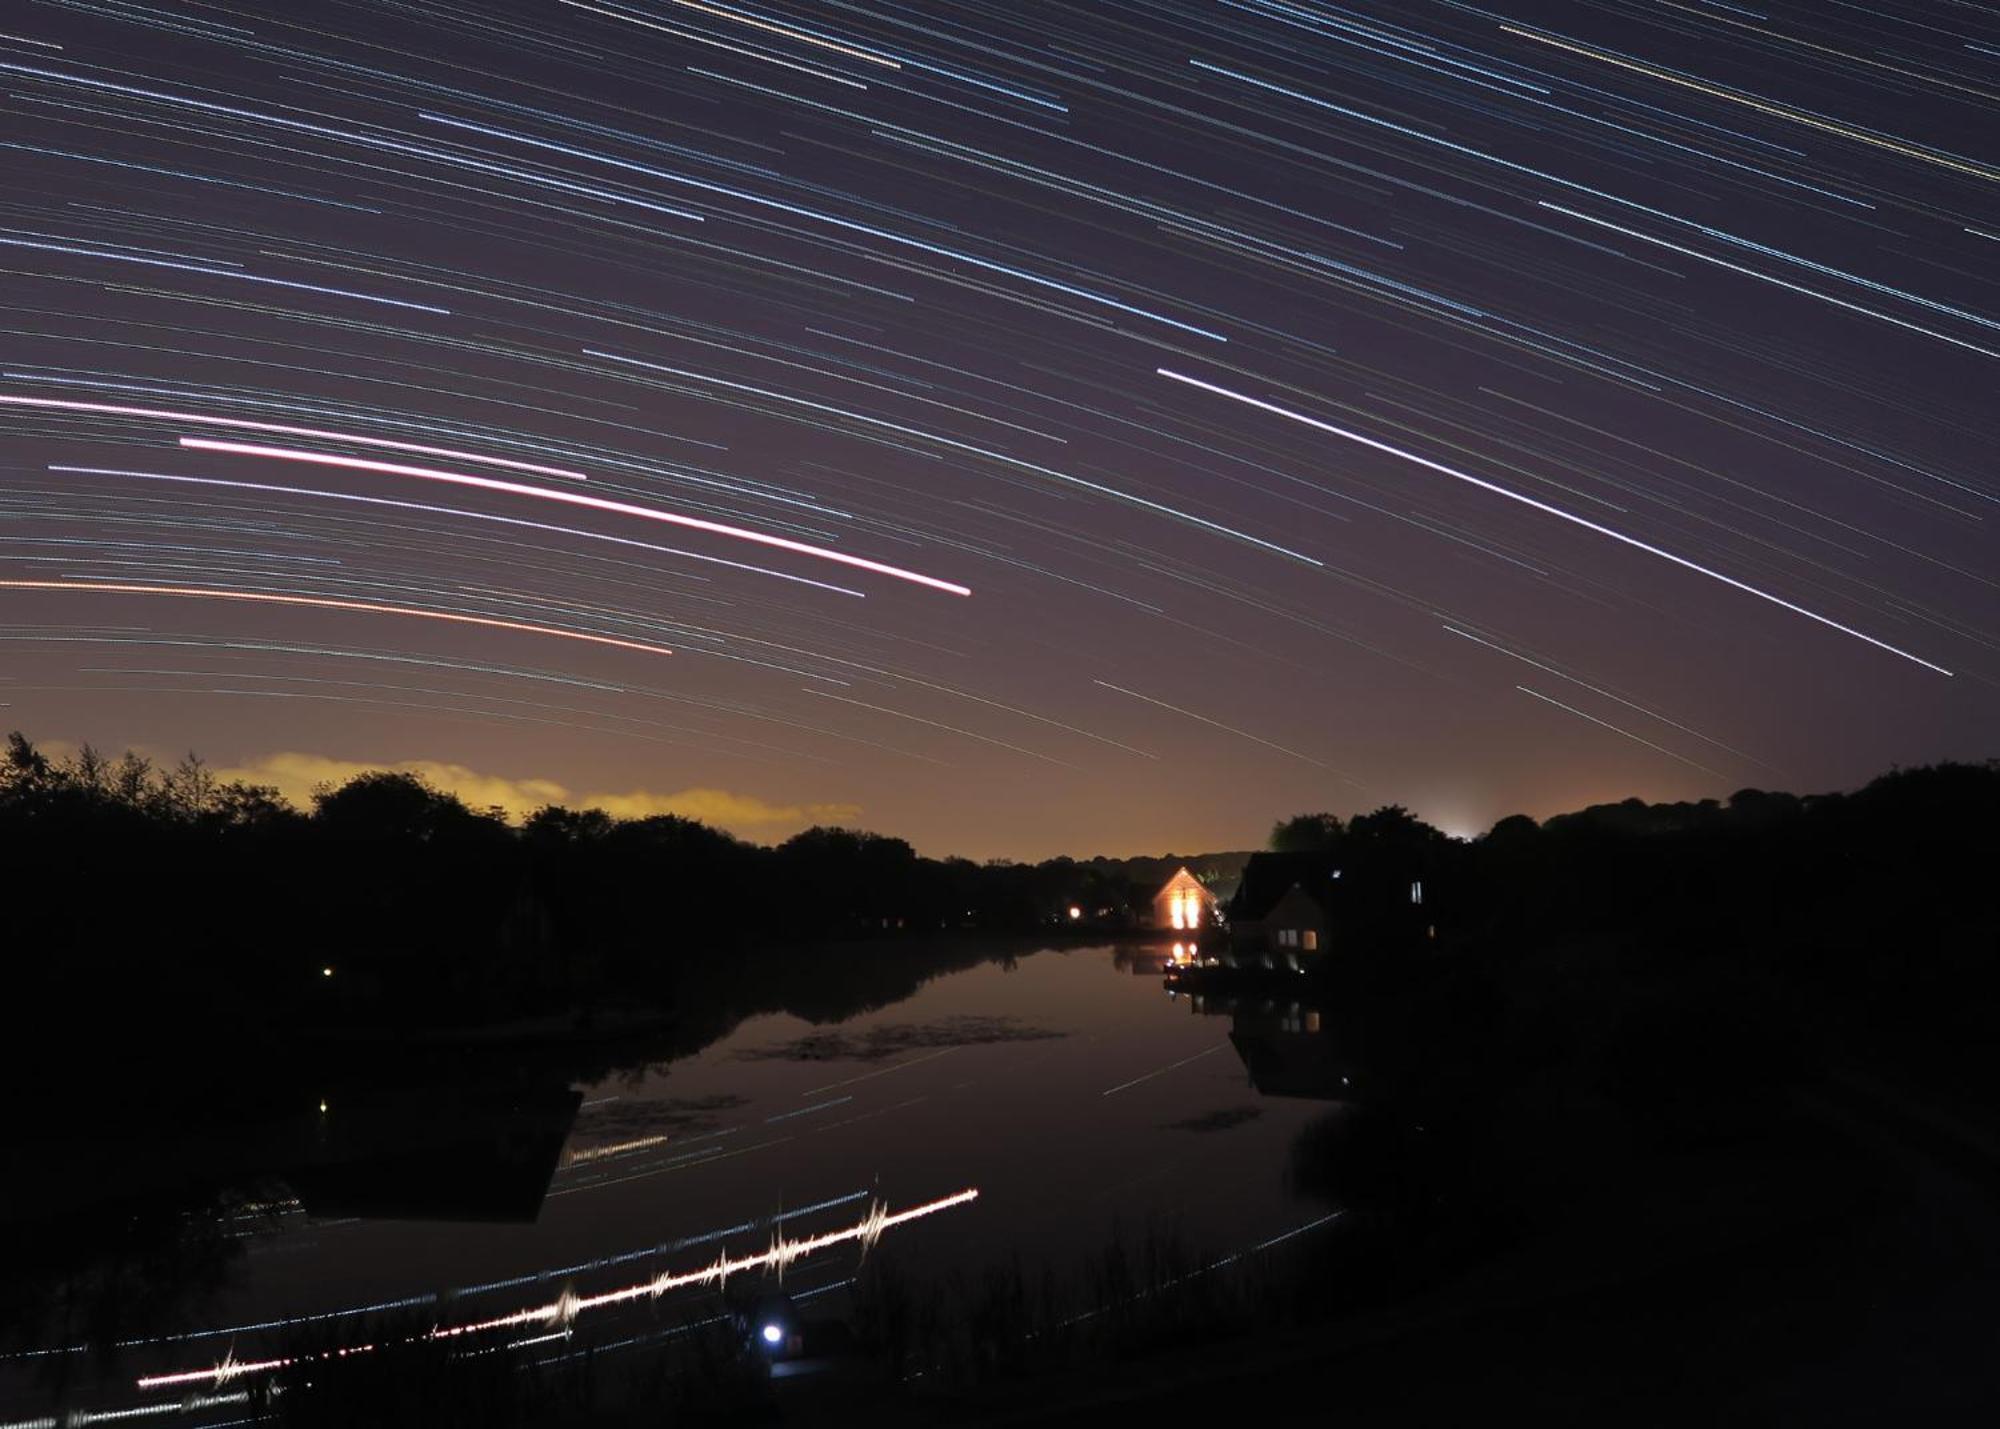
x=1184 y=904
x=1293 y=908
x=1286 y=912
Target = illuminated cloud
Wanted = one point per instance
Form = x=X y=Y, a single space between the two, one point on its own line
x=296 y=775
x=740 y=812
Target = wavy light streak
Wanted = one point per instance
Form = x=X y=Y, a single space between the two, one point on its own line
x=568 y=1306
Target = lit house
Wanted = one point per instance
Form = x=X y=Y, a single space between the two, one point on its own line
x=1285 y=912
x=1184 y=904
x=1293 y=908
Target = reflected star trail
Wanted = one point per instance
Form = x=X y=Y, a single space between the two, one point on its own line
x=1098 y=427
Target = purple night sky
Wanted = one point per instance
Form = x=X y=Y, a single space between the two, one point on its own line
x=1324 y=405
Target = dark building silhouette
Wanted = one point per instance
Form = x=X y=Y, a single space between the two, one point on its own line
x=1287 y=911
x=1292 y=909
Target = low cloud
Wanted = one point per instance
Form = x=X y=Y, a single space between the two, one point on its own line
x=723 y=809
x=296 y=775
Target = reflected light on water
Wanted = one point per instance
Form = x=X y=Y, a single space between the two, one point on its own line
x=616 y=1148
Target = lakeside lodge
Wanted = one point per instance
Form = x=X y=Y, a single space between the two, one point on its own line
x=1288 y=910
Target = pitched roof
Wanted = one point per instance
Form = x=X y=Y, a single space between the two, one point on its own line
x=1183 y=876
x=1267 y=877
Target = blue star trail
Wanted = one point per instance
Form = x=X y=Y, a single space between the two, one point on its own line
x=1125 y=415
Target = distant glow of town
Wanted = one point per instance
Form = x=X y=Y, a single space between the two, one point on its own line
x=1081 y=430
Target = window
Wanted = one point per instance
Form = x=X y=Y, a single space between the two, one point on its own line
x=1309 y=940
x=1417 y=891
x=1288 y=937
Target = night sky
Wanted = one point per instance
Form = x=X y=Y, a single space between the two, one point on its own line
x=1031 y=427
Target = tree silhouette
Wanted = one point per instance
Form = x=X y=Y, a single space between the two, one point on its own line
x=1306 y=833
x=25 y=767
x=394 y=807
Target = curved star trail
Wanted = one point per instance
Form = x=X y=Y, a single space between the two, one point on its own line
x=1265 y=381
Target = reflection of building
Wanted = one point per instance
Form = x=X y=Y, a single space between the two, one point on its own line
x=440 y=1157
x=1141 y=959
x=1287 y=1055
x=1184 y=904
x=1283 y=1046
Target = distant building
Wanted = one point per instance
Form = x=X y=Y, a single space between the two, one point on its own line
x=1286 y=910
x=1184 y=904
x=1291 y=909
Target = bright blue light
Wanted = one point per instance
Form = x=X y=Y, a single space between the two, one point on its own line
x=772 y=1334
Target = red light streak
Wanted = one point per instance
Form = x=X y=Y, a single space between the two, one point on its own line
x=330 y=603
x=574 y=498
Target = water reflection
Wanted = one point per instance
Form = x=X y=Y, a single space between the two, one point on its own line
x=450 y=1154
x=1283 y=1043
x=789 y=1092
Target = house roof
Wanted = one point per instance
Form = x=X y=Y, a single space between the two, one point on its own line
x=1183 y=878
x=1267 y=877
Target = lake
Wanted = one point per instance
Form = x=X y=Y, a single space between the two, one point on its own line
x=1080 y=1100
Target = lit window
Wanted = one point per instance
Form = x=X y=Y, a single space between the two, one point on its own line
x=1310 y=940
x=1417 y=891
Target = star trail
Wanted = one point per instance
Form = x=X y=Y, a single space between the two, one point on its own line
x=1096 y=426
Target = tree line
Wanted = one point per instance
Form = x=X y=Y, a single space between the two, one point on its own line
x=167 y=876
x=176 y=882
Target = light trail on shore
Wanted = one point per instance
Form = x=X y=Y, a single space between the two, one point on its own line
x=568 y=1306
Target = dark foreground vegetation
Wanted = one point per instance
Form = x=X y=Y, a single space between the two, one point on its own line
x=164 y=886
x=1682 y=1114
x=146 y=901
x=1656 y=1113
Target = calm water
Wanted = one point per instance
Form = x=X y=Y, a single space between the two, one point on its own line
x=1066 y=1086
